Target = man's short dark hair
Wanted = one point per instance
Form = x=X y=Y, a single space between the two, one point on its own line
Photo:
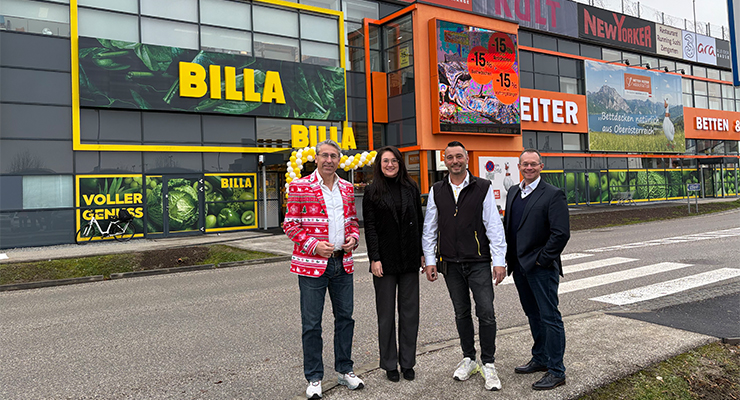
x=530 y=150
x=455 y=143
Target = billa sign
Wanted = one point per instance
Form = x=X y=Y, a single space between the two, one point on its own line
x=616 y=29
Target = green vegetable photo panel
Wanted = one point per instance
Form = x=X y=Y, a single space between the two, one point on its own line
x=117 y=74
x=231 y=202
x=105 y=195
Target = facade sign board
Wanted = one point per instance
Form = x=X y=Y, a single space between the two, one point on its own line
x=118 y=74
x=477 y=77
x=616 y=29
x=668 y=41
x=633 y=110
x=556 y=16
x=712 y=124
x=502 y=172
x=724 y=57
x=706 y=50
x=553 y=111
x=689 y=45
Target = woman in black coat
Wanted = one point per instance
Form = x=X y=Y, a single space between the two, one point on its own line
x=393 y=225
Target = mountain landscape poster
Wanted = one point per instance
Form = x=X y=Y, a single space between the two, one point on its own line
x=633 y=109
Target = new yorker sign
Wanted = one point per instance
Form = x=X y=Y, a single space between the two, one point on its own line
x=616 y=29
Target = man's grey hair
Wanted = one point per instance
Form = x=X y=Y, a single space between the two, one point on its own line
x=330 y=143
x=531 y=151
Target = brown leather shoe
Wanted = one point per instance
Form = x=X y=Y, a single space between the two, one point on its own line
x=549 y=381
x=529 y=368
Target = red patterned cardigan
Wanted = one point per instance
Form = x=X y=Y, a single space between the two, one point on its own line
x=306 y=223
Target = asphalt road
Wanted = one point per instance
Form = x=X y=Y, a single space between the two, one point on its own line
x=235 y=333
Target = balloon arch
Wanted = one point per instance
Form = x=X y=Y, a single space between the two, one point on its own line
x=298 y=158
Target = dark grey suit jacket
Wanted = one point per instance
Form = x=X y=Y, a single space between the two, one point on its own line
x=543 y=231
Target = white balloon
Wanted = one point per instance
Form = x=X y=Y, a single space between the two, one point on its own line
x=298 y=161
x=292 y=174
x=310 y=157
x=342 y=165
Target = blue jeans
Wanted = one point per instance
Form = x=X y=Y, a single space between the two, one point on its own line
x=313 y=293
x=538 y=293
x=461 y=279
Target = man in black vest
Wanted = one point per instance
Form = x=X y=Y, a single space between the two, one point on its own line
x=537 y=230
x=463 y=224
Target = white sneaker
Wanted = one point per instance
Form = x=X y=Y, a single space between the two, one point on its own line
x=351 y=381
x=314 y=390
x=465 y=369
x=489 y=373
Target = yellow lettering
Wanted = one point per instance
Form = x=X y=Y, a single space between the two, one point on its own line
x=348 y=139
x=137 y=198
x=248 y=183
x=88 y=198
x=192 y=80
x=99 y=214
x=230 y=80
x=224 y=183
x=298 y=136
x=111 y=214
x=138 y=212
x=322 y=133
x=333 y=134
x=87 y=214
x=273 y=88
x=215 y=72
x=99 y=199
x=312 y=136
x=249 y=93
x=128 y=198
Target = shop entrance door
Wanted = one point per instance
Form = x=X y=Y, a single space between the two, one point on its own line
x=183 y=199
x=708 y=184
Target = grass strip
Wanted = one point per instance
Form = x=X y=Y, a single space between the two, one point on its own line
x=708 y=372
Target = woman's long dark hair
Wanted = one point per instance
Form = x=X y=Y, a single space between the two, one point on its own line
x=381 y=181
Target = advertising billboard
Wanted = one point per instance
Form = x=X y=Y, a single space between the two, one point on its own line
x=503 y=174
x=119 y=74
x=556 y=16
x=616 y=29
x=477 y=74
x=633 y=110
x=668 y=41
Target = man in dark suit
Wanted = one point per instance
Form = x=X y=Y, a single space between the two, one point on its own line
x=537 y=230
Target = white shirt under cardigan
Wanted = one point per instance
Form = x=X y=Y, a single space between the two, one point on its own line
x=491 y=220
x=334 y=211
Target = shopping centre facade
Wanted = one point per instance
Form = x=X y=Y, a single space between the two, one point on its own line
x=189 y=113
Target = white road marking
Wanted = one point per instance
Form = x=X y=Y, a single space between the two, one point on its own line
x=669 y=287
x=3 y=256
x=596 y=264
x=573 y=256
x=600 y=280
x=677 y=239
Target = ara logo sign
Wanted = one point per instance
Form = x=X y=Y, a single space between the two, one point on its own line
x=699 y=48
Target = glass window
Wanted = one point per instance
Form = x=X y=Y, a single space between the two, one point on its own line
x=569 y=47
x=611 y=55
x=275 y=132
x=634 y=59
x=529 y=139
x=553 y=163
x=225 y=40
x=688 y=100
x=650 y=60
x=228 y=14
x=355 y=34
x=330 y=4
x=131 y=6
x=275 y=47
x=37 y=157
x=712 y=73
x=171 y=128
x=319 y=53
x=38 y=228
x=47 y=191
x=671 y=65
x=11 y=197
x=400 y=56
x=525 y=61
x=545 y=64
x=714 y=89
x=182 y=10
x=700 y=87
x=356 y=10
x=737 y=92
x=230 y=130
x=21 y=121
x=544 y=42
x=319 y=28
x=549 y=141
x=374 y=39
x=686 y=85
x=110 y=126
x=685 y=67
x=574 y=163
x=726 y=76
x=355 y=59
x=526 y=80
x=230 y=162
x=168 y=33
x=158 y=163
x=265 y=19
x=737 y=105
x=715 y=103
x=35 y=17
x=94 y=162
x=700 y=71
x=728 y=104
x=568 y=85
x=591 y=51
x=571 y=142
x=701 y=102
x=401 y=82
x=398 y=31
x=570 y=67
x=525 y=39
x=108 y=25
x=546 y=82
x=727 y=92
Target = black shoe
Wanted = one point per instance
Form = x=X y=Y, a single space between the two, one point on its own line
x=549 y=381
x=529 y=368
x=393 y=375
x=408 y=374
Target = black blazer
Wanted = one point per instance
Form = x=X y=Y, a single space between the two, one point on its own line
x=543 y=231
x=394 y=240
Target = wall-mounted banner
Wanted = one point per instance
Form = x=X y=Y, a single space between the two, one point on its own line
x=477 y=74
x=105 y=195
x=668 y=41
x=705 y=49
x=633 y=110
x=231 y=202
x=724 y=57
x=119 y=74
x=616 y=29
x=556 y=16
x=503 y=174
x=553 y=111
x=712 y=124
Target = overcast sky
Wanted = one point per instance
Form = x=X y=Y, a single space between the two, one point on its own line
x=713 y=11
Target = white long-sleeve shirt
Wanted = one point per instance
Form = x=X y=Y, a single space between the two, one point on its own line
x=491 y=220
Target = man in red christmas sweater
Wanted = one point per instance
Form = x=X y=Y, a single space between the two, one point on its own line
x=321 y=220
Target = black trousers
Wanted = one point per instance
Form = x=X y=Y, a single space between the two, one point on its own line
x=407 y=287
